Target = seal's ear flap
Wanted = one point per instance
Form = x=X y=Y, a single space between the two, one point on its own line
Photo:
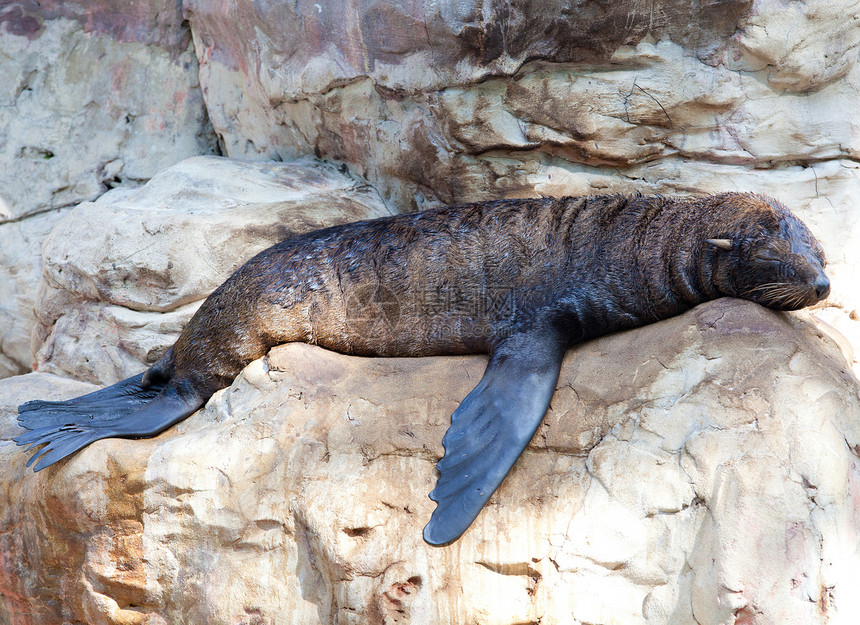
x=723 y=244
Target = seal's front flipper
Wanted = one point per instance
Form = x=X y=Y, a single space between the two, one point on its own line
x=124 y=410
x=491 y=428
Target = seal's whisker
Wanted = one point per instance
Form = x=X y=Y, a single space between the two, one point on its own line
x=762 y=287
x=783 y=295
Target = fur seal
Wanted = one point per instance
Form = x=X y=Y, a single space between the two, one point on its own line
x=521 y=280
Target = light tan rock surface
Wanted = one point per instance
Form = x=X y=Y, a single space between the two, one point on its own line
x=122 y=275
x=93 y=97
x=20 y=268
x=451 y=101
x=701 y=471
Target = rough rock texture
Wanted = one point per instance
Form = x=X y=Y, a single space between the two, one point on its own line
x=93 y=95
x=452 y=101
x=20 y=243
x=122 y=275
x=715 y=480
x=464 y=100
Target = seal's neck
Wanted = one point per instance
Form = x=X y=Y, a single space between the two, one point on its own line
x=683 y=277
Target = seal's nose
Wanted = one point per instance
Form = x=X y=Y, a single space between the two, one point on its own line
x=822 y=286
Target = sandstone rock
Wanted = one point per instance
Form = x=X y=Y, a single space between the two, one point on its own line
x=92 y=98
x=450 y=101
x=123 y=274
x=424 y=98
x=700 y=470
x=20 y=251
x=799 y=46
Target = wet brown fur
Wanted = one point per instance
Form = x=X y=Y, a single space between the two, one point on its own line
x=459 y=279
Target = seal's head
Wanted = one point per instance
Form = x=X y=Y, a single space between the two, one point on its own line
x=767 y=255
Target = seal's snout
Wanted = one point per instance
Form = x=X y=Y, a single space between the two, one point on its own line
x=822 y=286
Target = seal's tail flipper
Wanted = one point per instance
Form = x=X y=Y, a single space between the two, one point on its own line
x=491 y=428
x=107 y=403
x=124 y=410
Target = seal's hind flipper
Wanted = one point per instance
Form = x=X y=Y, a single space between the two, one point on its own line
x=491 y=428
x=107 y=403
x=124 y=410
